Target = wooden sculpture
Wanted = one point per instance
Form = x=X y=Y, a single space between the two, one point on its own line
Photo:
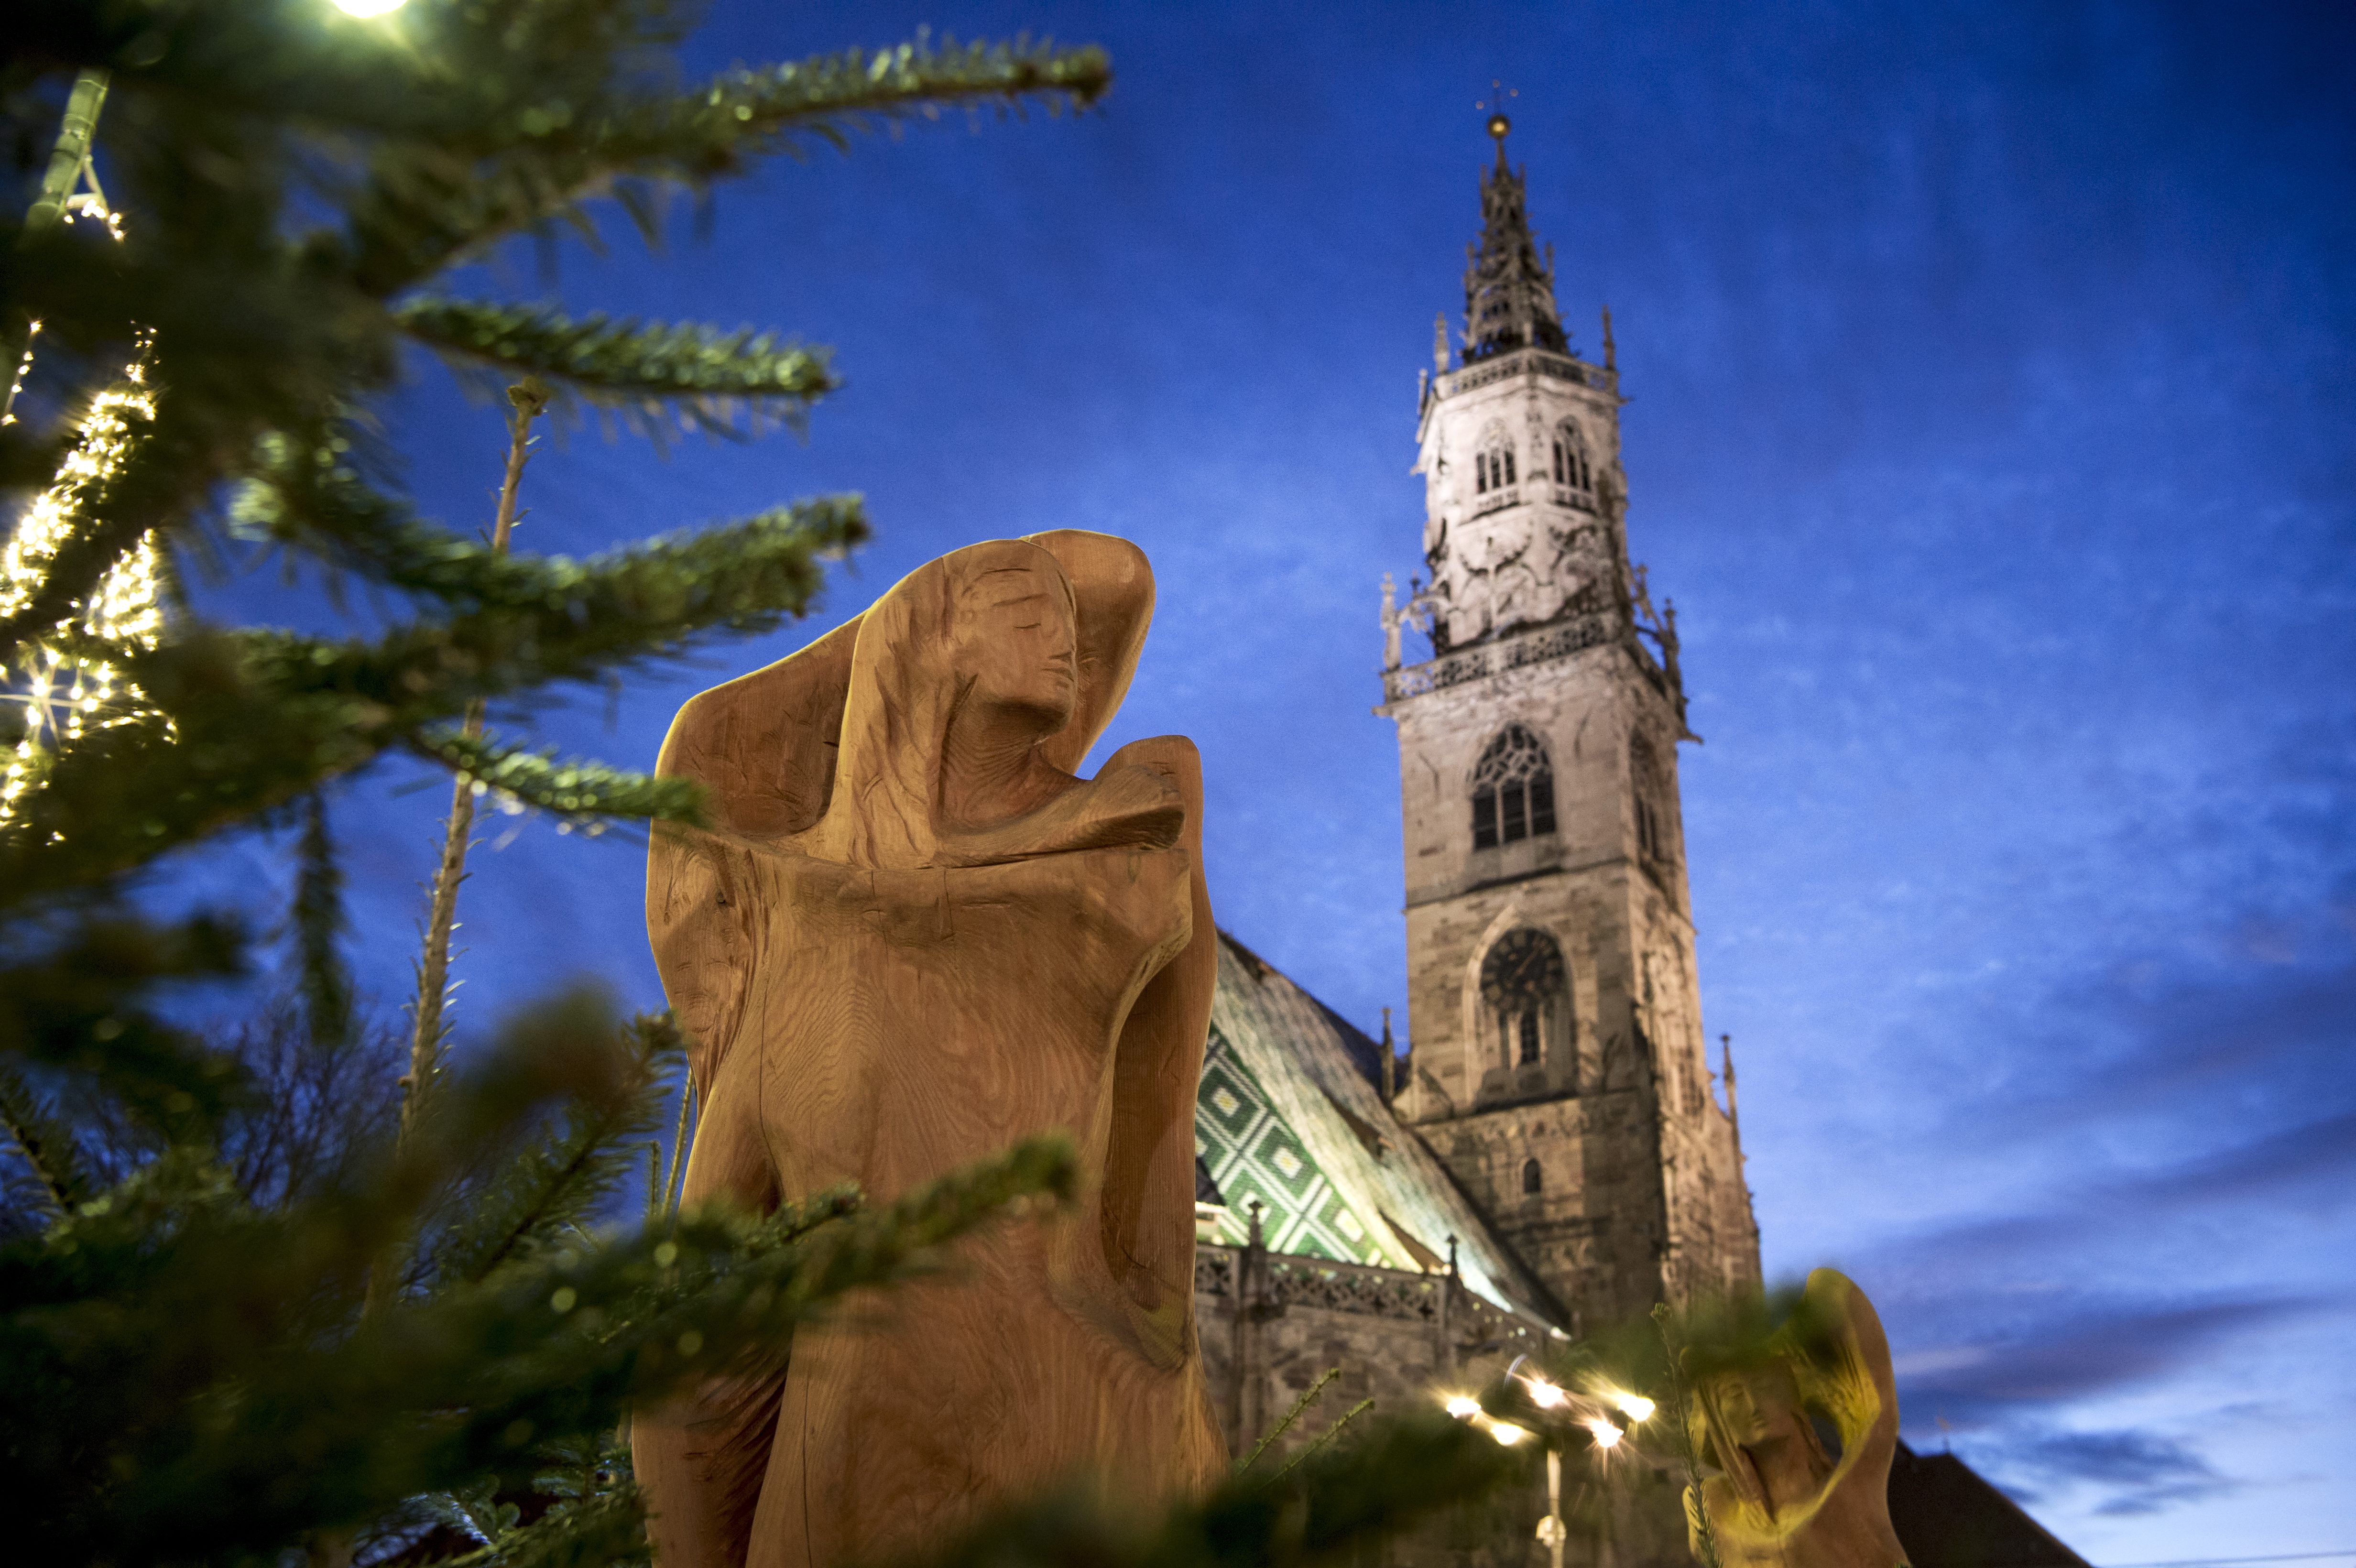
x=1785 y=1496
x=911 y=938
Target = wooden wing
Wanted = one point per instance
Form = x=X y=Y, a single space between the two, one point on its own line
x=763 y=745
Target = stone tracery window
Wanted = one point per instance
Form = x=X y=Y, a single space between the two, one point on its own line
x=1571 y=467
x=1522 y=989
x=1513 y=790
x=1645 y=783
x=1492 y=464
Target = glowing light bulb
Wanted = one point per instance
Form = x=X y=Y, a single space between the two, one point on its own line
x=1462 y=1408
x=368 y=7
x=68 y=696
x=1634 y=1406
x=1506 y=1433
x=1606 y=1434
x=1545 y=1395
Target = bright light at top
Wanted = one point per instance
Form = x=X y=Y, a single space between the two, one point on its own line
x=1462 y=1408
x=367 y=7
x=1545 y=1395
x=1634 y=1406
x=1506 y=1433
x=1606 y=1434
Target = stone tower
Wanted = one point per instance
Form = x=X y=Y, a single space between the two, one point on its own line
x=1557 y=1065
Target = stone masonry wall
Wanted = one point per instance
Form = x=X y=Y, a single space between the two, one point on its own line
x=1271 y=1324
x=1639 y=1192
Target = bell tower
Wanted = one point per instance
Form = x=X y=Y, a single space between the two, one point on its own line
x=1557 y=1061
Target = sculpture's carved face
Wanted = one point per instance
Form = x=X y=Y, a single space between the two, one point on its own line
x=1018 y=643
x=1758 y=1406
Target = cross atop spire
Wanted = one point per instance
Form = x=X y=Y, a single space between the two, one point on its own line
x=1509 y=289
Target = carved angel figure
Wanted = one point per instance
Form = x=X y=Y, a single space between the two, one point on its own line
x=912 y=938
x=1802 y=1445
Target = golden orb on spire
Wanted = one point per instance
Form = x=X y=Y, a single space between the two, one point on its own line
x=1498 y=126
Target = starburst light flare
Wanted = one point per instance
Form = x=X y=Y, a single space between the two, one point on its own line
x=1634 y=1406
x=67 y=685
x=1606 y=1436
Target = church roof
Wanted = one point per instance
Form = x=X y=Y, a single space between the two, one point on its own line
x=1288 y=1115
x=1946 y=1516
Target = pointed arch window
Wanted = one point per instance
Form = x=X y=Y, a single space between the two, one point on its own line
x=1571 y=468
x=1645 y=788
x=1523 y=990
x=1493 y=466
x=1513 y=790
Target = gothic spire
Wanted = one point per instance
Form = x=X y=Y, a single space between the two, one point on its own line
x=1508 y=290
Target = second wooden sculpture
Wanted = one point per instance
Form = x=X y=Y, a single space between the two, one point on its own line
x=1801 y=1445
x=911 y=938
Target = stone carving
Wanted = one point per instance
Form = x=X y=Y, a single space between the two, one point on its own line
x=1804 y=1442
x=912 y=937
x=1508 y=564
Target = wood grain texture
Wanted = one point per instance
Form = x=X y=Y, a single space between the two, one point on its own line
x=912 y=938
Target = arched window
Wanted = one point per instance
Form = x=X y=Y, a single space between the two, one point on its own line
x=1644 y=784
x=1533 y=1178
x=1492 y=464
x=1571 y=468
x=1513 y=790
x=1522 y=989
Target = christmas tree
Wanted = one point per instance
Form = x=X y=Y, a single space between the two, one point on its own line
x=255 y=1300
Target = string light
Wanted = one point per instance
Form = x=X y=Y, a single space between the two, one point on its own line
x=24 y=365
x=93 y=205
x=1606 y=1436
x=74 y=690
x=1634 y=1406
x=1506 y=1433
x=1462 y=1408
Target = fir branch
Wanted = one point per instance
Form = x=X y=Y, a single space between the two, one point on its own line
x=575 y=788
x=80 y=1000
x=317 y=920
x=259 y=717
x=309 y=492
x=527 y=399
x=561 y=1180
x=666 y=1202
x=424 y=208
x=430 y=1394
x=1701 y=1532
x=701 y=374
x=1300 y=1407
x=44 y=1143
x=1336 y=1506
x=1325 y=1438
x=606 y=1530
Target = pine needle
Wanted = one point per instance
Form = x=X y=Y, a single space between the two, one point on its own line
x=1308 y=1397
x=1326 y=1436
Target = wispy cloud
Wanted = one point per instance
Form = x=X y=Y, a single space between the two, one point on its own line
x=2135 y=1472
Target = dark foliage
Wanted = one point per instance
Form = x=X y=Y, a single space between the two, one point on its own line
x=241 y=1318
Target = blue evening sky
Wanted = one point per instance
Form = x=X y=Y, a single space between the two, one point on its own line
x=1990 y=393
